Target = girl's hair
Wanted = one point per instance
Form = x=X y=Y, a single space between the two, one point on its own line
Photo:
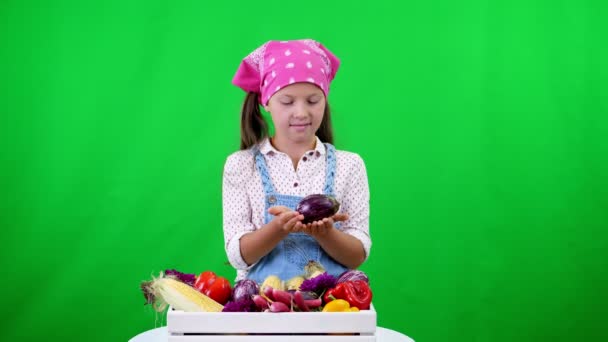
x=254 y=129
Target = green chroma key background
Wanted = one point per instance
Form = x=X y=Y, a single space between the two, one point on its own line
x=483 y=125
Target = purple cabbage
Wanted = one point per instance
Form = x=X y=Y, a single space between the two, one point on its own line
x=319 y=283
x=243 y=305
x=244 y=289
x=183 y=277
x=352 y=275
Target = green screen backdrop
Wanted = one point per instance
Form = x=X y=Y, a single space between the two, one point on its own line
x=483 y=125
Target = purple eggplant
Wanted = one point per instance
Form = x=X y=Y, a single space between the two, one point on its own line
x=317 y=207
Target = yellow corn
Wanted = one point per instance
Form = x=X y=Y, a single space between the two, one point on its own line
x=272 y=281
x=183 y=296
x=313 y=269
x=294 y=283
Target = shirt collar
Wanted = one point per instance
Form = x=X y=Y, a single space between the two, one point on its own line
x=267 y=148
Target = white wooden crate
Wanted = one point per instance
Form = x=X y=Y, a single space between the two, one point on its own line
x=271 y=327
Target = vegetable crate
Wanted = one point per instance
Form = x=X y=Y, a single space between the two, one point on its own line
x=268 y=327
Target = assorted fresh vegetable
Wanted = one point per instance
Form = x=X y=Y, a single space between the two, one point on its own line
x=313 y=291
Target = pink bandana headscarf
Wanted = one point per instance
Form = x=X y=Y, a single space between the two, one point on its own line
x=277 y=64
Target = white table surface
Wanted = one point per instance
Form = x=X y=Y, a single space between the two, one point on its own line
x=160 y=335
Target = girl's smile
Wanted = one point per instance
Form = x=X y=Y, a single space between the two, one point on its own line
x=300 y=127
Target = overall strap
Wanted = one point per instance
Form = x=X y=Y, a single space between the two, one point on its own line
x=330 y=172
x=260 y=163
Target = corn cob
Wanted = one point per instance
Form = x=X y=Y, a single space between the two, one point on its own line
x=294 y=283
x=313 y=269
x=271 y=281
x=182 y=296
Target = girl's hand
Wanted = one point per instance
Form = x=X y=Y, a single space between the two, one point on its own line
x=321 y=227
x=289 y=220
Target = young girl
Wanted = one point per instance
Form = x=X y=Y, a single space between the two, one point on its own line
x=265 y=180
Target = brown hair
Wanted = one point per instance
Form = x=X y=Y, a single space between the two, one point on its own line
x=254 y=129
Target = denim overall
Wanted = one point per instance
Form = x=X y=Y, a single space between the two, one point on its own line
x=288 y=258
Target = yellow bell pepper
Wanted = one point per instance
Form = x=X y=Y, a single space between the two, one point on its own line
x=339 y=305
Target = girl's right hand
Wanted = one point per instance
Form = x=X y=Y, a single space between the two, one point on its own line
x=289 y=220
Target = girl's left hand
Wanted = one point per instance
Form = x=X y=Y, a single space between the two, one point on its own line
x=321 y=227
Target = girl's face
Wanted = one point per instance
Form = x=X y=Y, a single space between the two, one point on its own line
x=297 y=111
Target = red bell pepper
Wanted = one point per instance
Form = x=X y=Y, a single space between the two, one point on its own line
x=356 y=292
x=217 y=288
